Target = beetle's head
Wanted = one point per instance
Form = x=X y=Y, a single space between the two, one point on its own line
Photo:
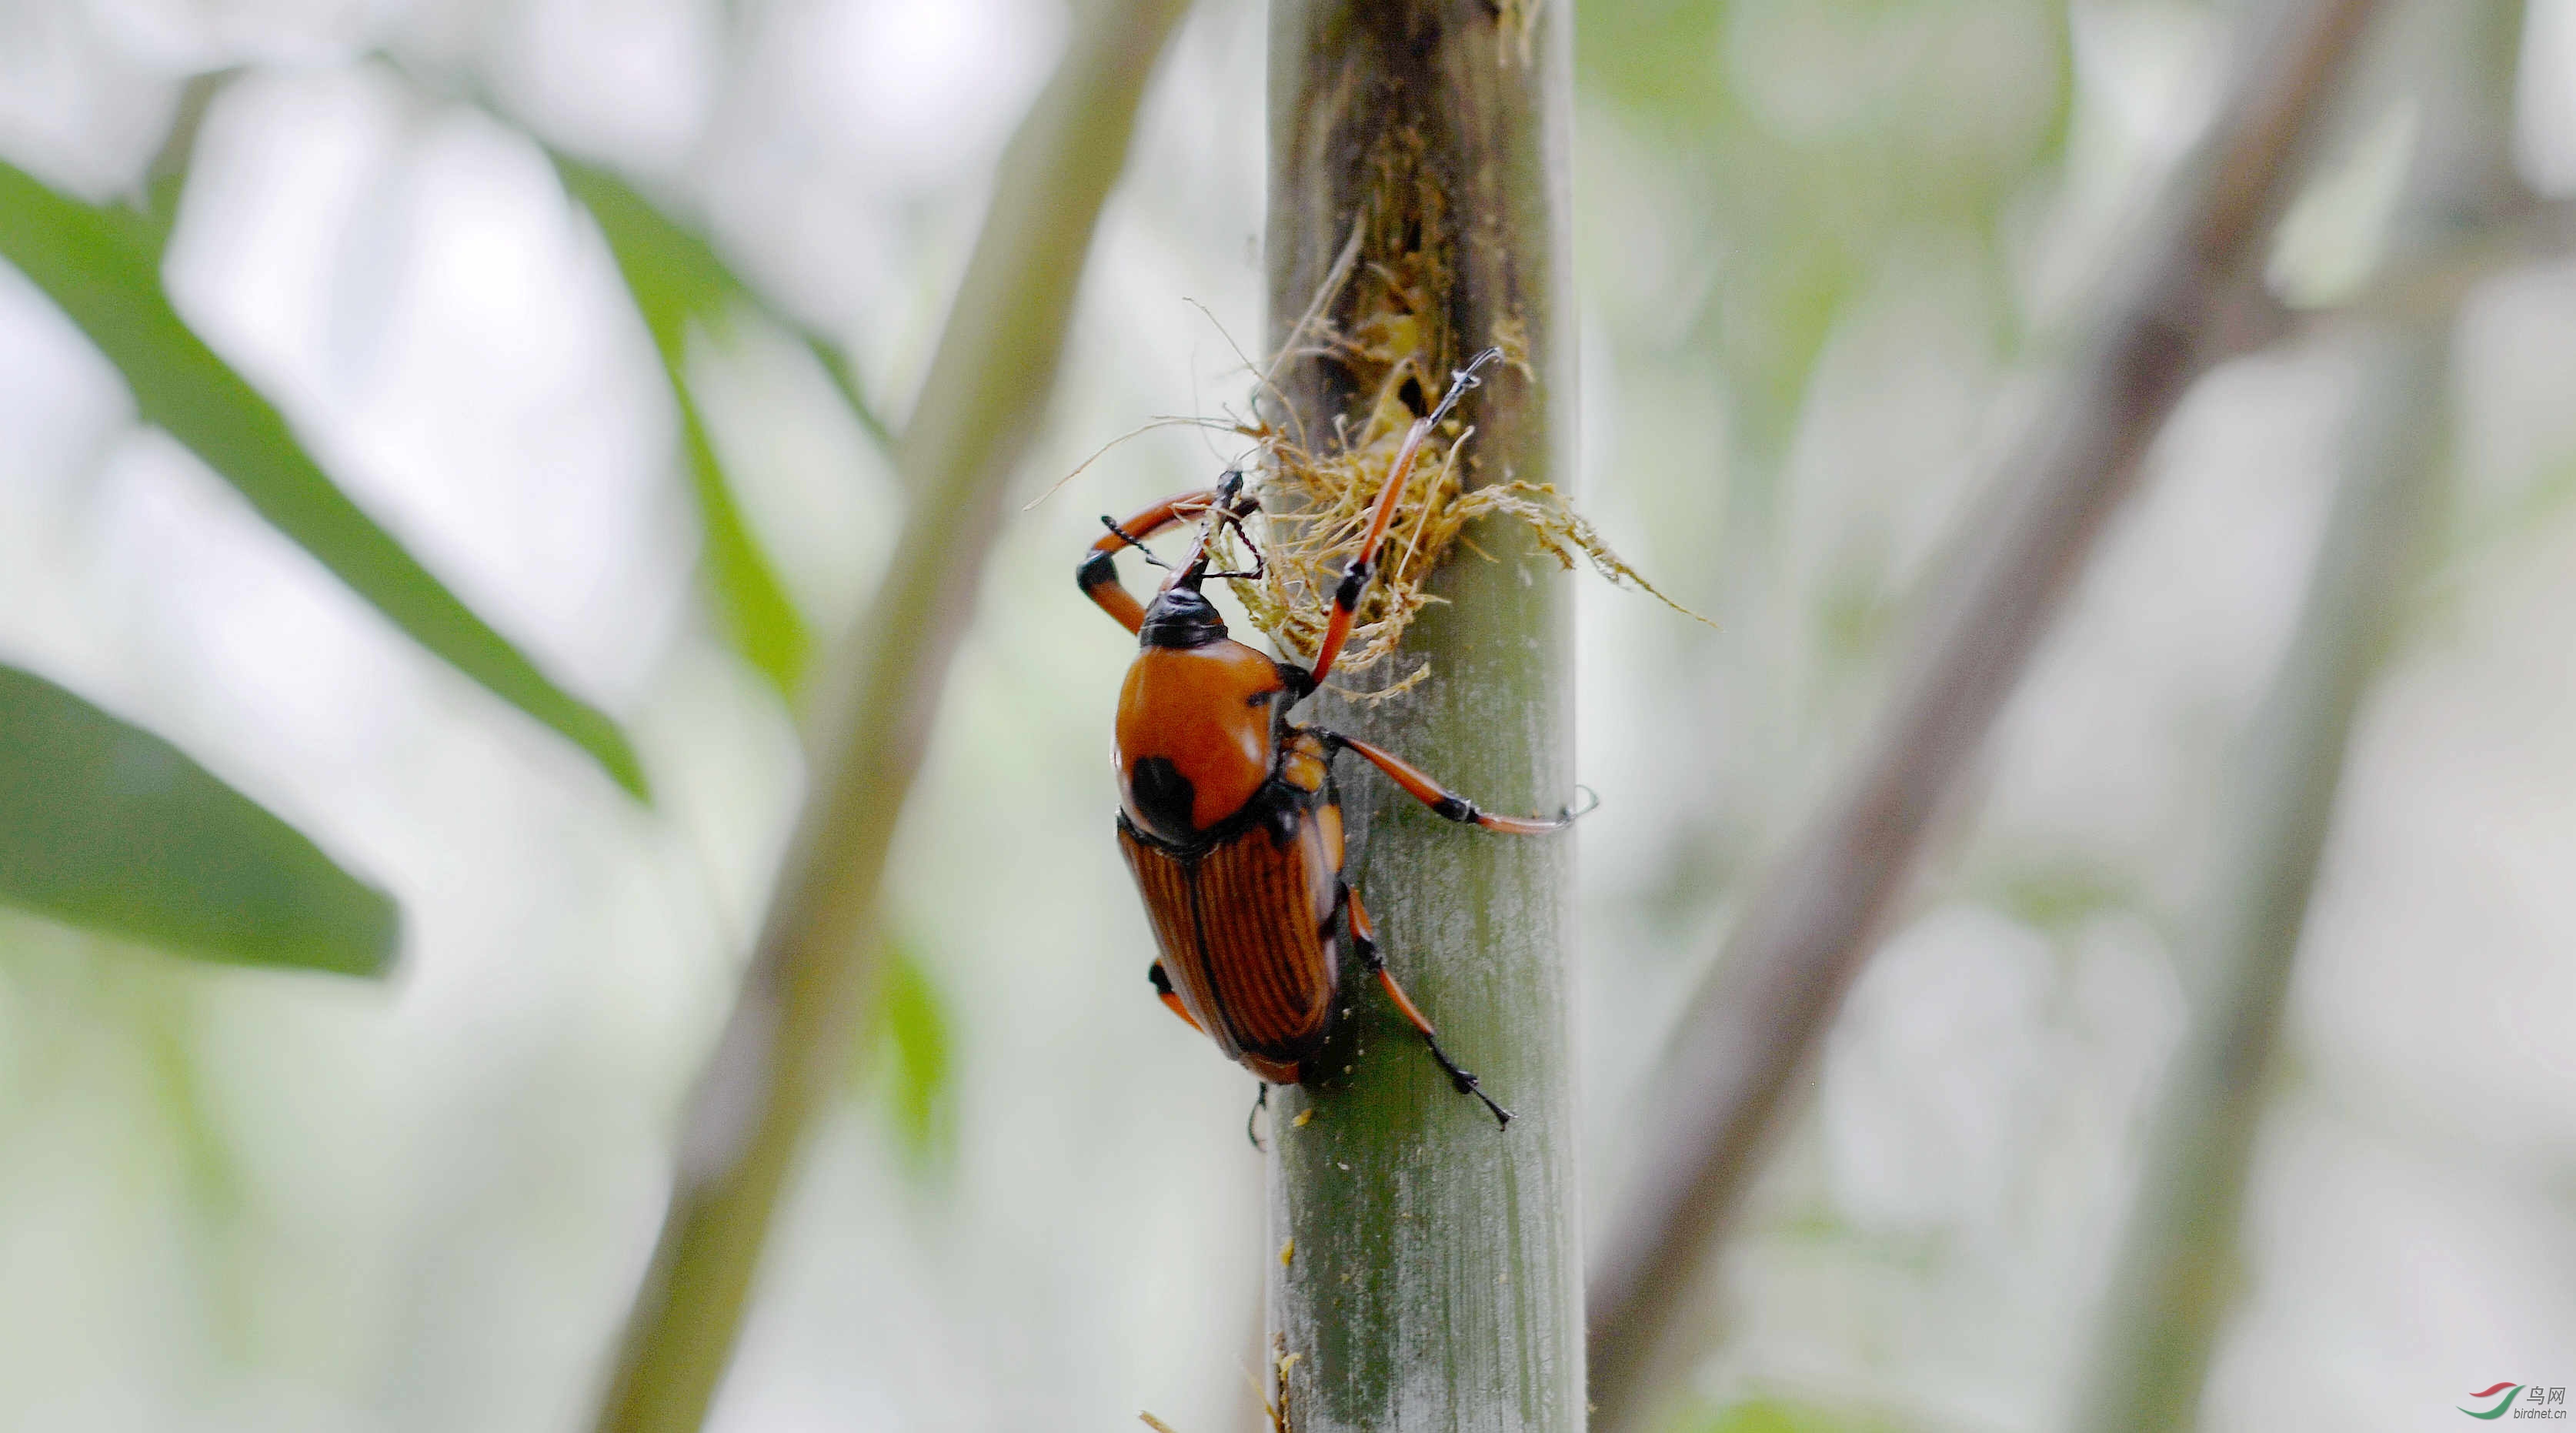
x=1181 y=616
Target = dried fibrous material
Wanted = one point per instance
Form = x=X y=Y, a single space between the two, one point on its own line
x=1316 y=502
x=1317 y=488
x=1389 y=288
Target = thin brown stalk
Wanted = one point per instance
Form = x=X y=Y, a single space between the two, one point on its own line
x=1733 y=1070
x=806 y=988
x=2176 y=1276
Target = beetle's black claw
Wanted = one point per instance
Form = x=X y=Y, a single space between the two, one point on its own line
x=1258 y=1105
x=1467 y=1084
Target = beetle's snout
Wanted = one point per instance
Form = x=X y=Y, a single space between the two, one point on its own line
x=1180 y=617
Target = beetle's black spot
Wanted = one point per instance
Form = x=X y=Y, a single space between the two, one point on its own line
x=1096 y=569
x=1455 y=808
x=1283 y=824
x=1163 y=797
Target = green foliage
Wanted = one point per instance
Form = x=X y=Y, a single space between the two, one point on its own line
x=104 y=825
x=1771 y=1415
x=911 y=1051
x=102 y=267
x=2058 y=894
x=679 y=284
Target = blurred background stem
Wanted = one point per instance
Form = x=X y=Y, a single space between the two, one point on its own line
x=804 y=995
x=2177 y=1275
x=1428 y=1275
x=1739 y=1050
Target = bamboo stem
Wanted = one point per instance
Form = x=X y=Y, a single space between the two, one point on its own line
x=1737 y=1053
x=806 y=990
x=1429 y=1275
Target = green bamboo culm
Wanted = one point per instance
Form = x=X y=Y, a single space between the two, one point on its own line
x=1427 y=1271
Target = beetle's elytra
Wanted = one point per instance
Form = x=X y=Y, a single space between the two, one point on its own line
x=1227 y=813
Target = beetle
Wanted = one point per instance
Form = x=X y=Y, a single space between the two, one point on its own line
x=1227 y=812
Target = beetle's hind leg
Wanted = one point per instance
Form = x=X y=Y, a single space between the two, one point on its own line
x=1445 y=803
x=1171 y=998
x=1364 y=945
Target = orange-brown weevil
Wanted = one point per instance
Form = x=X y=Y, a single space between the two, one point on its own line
x=1227 y=813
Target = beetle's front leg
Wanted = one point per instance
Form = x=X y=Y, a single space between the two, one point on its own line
x=1355 y=574
x=1098 y=574
x=1364 y=945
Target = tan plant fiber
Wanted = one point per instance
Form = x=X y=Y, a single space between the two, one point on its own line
x=1317 y=489
x=1316 y=501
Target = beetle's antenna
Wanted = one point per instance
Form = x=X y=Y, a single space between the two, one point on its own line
x=1133 y=541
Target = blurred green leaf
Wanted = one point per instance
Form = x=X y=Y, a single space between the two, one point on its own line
x=2058 y=893
x=1771 y=1415
x=102 y=267
x=104 y=825
x=845 y=381
x=677 y=282
x=167 y=175
x=912 y=1047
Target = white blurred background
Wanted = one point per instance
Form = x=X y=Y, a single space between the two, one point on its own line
x=1829 y=253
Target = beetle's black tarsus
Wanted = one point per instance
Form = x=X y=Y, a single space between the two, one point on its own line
x=1364 y=946
x=1460 y=380
x=1230 y=512
x=1262 y=1102
x=1466 y=1083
